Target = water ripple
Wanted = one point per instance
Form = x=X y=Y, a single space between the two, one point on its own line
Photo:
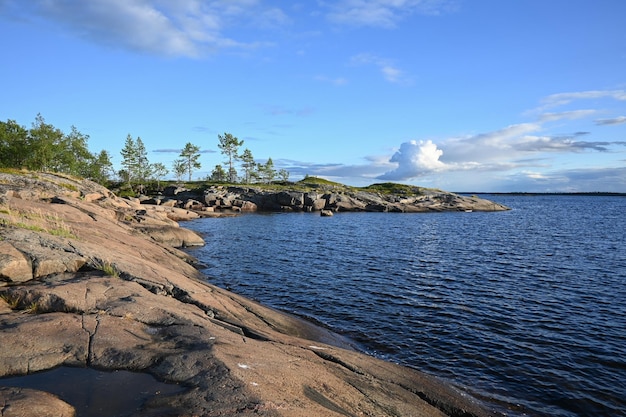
x=524 y=309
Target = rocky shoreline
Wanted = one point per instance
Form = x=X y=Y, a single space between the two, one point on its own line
x=91 y=280
x=318 y=198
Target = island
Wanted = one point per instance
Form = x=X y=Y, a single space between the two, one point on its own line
x=314 y=194
x=90 y=280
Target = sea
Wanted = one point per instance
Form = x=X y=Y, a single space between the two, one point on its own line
x=525 y=310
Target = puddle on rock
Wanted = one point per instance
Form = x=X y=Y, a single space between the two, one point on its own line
x=95 y=393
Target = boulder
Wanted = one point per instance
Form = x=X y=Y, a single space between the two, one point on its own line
x=153 y=201
x=177 y=237
x=169 y=202
x=314 y=201
x=290 y=199
x=14 y=266
x=326 y=213
x=46 y=255
x=319 y=204
x=173 y=190
x=191 y=204
x=245 y=205
x=344 y=202
x=211 y=198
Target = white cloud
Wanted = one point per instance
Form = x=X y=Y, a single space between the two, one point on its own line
x=574 y=180
x=569 y=115
x=386 y=67
x=383 y=13
x=189 y=28
x=415 y=159
x=561 y=99
x=392 y=74
x=513 y=147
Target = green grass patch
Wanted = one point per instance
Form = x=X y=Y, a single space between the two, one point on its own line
x=35 y=220
x=308 y=180
x=12 y=301
x=15 y=171
x=394 y=188
x=70 y=187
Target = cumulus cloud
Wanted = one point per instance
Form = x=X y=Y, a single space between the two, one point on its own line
x=513 y=147
x=188 y=28
x=382 y=13
x=614 y=121
x=415 y=159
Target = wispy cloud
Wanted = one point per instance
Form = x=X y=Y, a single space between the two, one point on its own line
x=190 y=28
x=389 y=71
x=348 y=173
x=561 y=99
x=614 y=121
x=575 y=180
x=569 y=115
x=382 y=13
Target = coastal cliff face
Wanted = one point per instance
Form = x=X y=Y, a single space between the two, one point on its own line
x=91 y=280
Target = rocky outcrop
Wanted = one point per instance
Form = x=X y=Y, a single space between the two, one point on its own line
x=119 y=298
x=345 y=199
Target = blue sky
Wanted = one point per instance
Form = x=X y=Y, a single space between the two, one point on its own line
x=462 y=95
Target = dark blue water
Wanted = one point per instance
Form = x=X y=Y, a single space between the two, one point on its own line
x=524 y=309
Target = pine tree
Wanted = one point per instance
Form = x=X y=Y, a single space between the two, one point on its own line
x=248 y=165
x=180 y=168
x=283 y=174
x=191 y=154
x=229 y=146
x=218 y=174
x=267 y=171
x=130 y=159
x=135 y=161
x=158 y=172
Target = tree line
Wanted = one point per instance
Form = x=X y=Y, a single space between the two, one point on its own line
x=46 y=148
x=43 y=147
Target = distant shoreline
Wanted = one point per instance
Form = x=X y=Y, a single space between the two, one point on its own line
x=525 y=193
